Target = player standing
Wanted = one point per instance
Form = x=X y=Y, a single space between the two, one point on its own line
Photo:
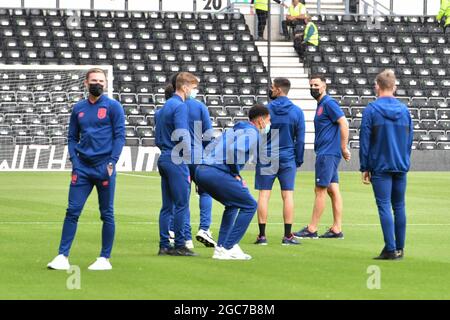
x=288 y=128
x=385 y=149
x=95 y=141
x=330 y=144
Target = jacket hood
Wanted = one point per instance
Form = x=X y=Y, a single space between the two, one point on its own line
x=281 y=105
x=388 y=107
x=242 y=125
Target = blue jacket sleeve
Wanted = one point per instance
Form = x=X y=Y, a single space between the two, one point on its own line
x=364 y=139
x=181 y=122
x=300 y=139
x=207 y=125
x=73 y=138
x=118 y=126
x=242 y=148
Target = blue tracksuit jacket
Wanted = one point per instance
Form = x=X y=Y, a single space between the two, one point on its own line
x=290 y=121
x=96 y=132
x=386 y=136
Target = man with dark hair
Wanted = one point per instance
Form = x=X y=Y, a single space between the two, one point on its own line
x=175 y=179
x=386 y=138
x=220 y=177
x=287 y=143
x=330 y=144
x=95 y=141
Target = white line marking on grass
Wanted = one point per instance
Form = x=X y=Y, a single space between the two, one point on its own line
x=137 y=175
x=196 y=222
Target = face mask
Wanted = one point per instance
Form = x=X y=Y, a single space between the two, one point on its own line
x=315 y=93
x=96 y=89
x=271 y=96
x=266 y=128
x=193 y=94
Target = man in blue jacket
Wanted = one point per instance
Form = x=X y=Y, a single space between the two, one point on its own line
x=95 y=141
x=330 y=144
x=220 y=177
x=199 y=124
x=385 y=149
x=287 y=143
x=173 y=139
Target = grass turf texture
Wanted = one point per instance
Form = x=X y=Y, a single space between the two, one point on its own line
x=32 y=208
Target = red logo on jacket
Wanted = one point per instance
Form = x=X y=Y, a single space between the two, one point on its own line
x=74 y=178
x=320 y=111
x=101 y=113
x=81 y=115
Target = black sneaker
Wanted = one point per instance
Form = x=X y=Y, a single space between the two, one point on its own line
x=330 y=234
x=287 y=241
x=261 y=240
x=387 y=255
x=305 y=234
x=165 y=252
x=183 y=251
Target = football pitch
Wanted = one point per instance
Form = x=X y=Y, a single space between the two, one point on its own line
x=32 y=209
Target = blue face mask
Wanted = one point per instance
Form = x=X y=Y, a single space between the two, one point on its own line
x=193 y=94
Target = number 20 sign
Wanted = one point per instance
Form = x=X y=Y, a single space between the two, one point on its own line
x=211 y=5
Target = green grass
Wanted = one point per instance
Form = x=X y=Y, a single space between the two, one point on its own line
x=32 y=208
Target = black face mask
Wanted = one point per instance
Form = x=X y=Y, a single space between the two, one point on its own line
x=315 y=93
x=271 y=96
x=96 y=89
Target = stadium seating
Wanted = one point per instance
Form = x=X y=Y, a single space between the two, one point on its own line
x=353 y=49
x=145 y=49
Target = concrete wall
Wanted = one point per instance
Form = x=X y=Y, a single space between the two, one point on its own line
x=432 y=160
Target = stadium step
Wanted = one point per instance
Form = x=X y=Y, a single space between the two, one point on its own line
x=327 y=6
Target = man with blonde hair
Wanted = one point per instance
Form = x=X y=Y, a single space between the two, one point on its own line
x=172 y=167
x=385 y=148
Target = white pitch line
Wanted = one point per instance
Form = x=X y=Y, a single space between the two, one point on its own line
x=137 y=175
x=196 y=222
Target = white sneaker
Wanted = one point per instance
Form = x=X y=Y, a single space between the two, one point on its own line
x=205 y=237
x=236 y=253
x=171 y=237
x=60 y=262
x=189 y=244
x=101 y=264
x=218 y=253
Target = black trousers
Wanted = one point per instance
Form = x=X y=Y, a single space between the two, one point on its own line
x=292 y=23
x=262 y=21
x=300 y=47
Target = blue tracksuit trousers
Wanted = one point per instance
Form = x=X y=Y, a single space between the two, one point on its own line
x=205 y=204
x=240 y=206
x=389 y=190
x=175 y=200
x=84 y=179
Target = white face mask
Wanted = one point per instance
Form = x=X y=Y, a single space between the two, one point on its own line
x=266 y=128
x=193 y=94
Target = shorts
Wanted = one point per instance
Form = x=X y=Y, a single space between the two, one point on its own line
x=286 y=177
x=327 y=170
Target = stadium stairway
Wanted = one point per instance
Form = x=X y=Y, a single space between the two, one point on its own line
x=327 y=6
x=285 y=63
